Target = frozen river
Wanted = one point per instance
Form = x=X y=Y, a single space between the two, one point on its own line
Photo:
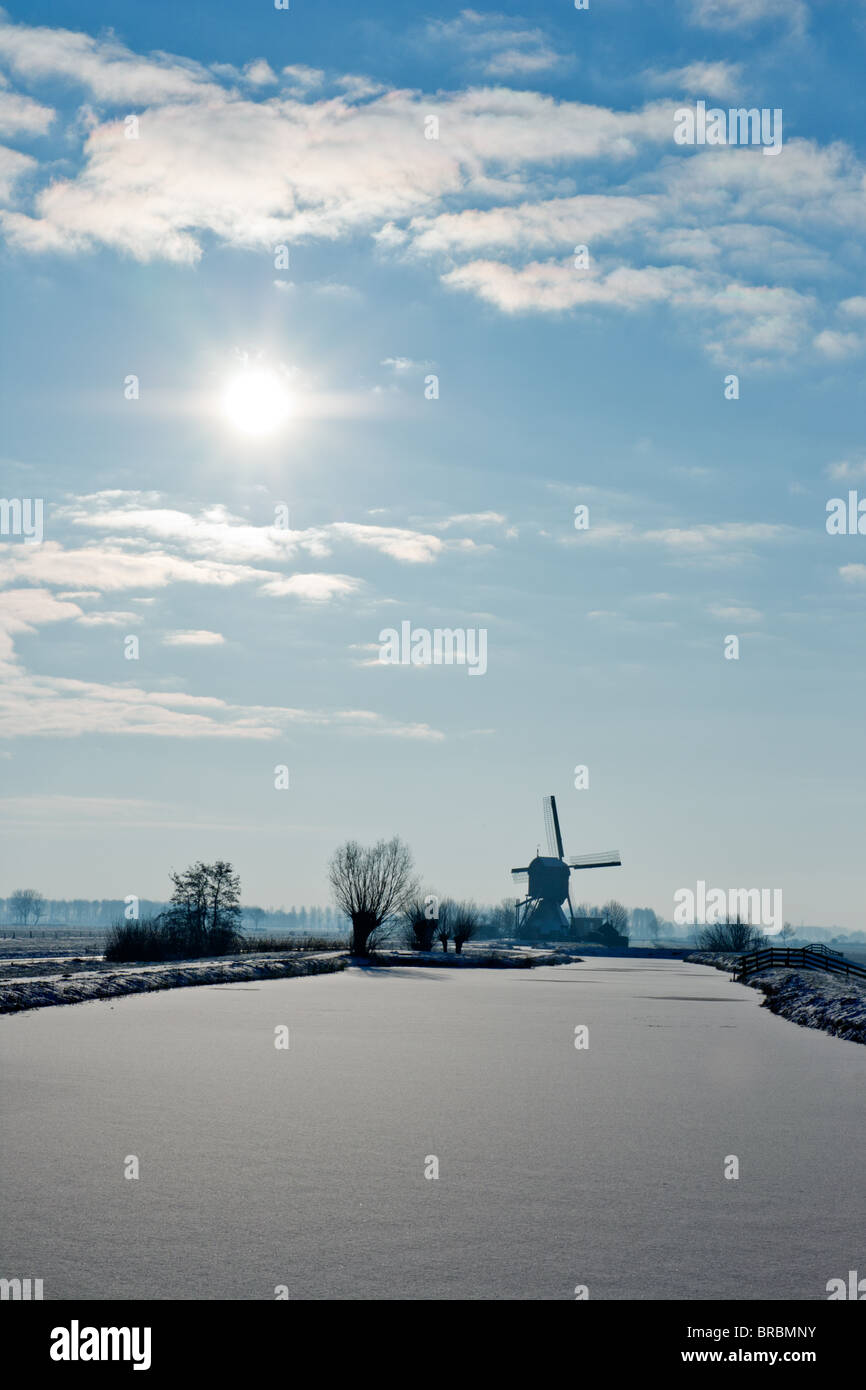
x=305 y=1167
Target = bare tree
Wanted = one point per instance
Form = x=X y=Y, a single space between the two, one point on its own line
x=444 y=922
x=371 y=885
x=616 y=916
x=419 y=921
x=730 y=936
x=26 y=906
x=466 y=924
x=502 y=919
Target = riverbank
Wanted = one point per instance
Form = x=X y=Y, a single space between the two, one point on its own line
x=810 y=998
x=42 y=990
x=42 y=982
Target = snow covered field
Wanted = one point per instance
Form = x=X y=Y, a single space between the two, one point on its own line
x=262 y=1167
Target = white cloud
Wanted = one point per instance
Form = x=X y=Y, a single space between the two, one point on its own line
x=13 y=166
x=748 y=14
x=21 y=115
x=853 y=574
x=735 y=614
x=699 y=79
x=196 y=637
x=260 y=73
x=472 y=519
x=303 y=78
x=723 y=237
x=319 y=588
x=547 y=225
x=729 y=535
x=230 y=543
x=845 y=469
x=105 y=67
x=53 y=706
x=500 y=45
x=412 y=546
x=403 y=364
x=835 y=345
x=107 y=618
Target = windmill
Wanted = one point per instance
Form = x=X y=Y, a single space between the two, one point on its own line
x=547 y=880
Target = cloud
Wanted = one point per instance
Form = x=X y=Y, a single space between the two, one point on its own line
x=727 y=535
x=472 y=519
x=53 y=706
x=105 y=67
x=835 y=345
x=715 y=79
x=302 y=78
x=256 y=172
x=108 y=618
x=199 y=637
x=230 y=543
x=735 y=614
x=853 y=574
x=319 y=588
x=547 y=225
x=13 y=166
x=111 y=568
x=728 y=240
x=260 y=73
x=498 y=44
x=845 y=469
x=404 y=364
x=412 y=546
x=21 y=115
x=747 y=14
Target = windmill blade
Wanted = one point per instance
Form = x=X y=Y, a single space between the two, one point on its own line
x=520 y=871
x=551 y=820
x=601 y=859
x=520 y=877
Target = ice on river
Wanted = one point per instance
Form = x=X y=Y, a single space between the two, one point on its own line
x=558 y=1167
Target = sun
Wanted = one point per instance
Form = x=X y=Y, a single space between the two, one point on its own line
x=256 y=402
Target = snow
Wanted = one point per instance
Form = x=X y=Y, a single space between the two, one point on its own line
x=558 y=1167
x=812 y=998
x=40 y=983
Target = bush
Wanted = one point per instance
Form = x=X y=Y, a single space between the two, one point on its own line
x=730 y=936
x=293 y=943
x=140 y=941
x=161 y=938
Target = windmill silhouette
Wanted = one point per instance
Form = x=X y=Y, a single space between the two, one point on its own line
x=548 y=878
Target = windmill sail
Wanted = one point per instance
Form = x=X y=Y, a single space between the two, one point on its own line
x=601 y=859
x=551 y=820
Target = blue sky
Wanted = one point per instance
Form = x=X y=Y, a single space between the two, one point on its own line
x=559 y=386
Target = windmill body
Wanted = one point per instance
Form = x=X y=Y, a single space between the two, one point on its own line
x=547 y=880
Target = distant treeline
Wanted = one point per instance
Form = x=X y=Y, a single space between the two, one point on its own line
x=103 y=913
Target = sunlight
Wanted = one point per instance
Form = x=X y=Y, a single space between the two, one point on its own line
x=256 y=402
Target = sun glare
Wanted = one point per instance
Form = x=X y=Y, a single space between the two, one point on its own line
x=256 y=402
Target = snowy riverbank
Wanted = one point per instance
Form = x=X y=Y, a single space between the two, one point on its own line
x=811 y=998
x=39 y=991
x=41 y=982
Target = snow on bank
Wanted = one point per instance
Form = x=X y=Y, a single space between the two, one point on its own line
x=816 y=1000
x=82 y=981
x=503 y=959
x=812 y=998
x=142 y=979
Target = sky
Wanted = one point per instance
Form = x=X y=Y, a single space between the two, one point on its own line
x=437 y=380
